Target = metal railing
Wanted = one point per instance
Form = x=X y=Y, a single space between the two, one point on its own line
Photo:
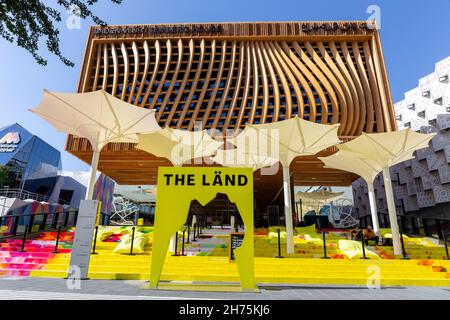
x=16 y=225
x=413 y=225
x=25 y=195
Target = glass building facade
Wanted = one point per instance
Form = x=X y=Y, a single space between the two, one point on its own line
x=24 y=157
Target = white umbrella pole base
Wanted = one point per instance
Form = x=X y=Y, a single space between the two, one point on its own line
x=288 y=210
x=396 y=242
x=93 y=174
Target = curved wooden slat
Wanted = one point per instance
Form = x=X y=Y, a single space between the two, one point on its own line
x=303 y=80
x=290 y=70
x=172 y=82
x=342 y=84
x=369 y=116
x=388 y=125
x=282 y=58
x=205 y=86
x=227 y=86
x=162 y=81
x=105 y=67
x=212 y=98
x=265 y=83
x=287 y=91
x=244 y=100
x=358 y=124
x=354 y=111
x=194 y=83
x=126 y=70
x=145 y=72
x=274 y=82
x=335 y=88
x=238 y=83
x=316 y=72
x=255 y=83
x=97 y=67
x=154 y=74
x=116 y=69
x=374 y=88
x=136 y=71
x=183 y=85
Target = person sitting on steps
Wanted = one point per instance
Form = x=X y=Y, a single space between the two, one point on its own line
x=356 y=234
x=369 y=234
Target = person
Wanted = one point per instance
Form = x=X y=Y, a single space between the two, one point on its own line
x=209 y=222
x=369 y=234
x=356 y=234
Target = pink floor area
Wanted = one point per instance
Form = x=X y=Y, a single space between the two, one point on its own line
x=37 y=253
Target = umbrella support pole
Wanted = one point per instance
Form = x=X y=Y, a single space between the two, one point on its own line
x=373 y=208
x=93 y=173
x=397 y=246
x=288 y=210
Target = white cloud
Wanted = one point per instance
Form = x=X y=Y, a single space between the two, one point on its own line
x=80 y=176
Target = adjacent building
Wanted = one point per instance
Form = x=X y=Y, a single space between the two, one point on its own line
x=421 y=185
x=29 y=169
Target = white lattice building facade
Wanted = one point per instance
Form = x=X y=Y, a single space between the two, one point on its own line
x=421 y=185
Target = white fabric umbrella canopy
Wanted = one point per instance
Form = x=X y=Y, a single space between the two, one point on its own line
x=375 y=152
x=367 y=169
x=322 y=195
x=178 y=146
x=236 y=158
x=97 y=116
x=286 y=140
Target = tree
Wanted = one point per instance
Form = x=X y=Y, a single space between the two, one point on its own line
x=27 y=22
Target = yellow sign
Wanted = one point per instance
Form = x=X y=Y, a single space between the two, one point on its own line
x=97 y=219
x=177 y=187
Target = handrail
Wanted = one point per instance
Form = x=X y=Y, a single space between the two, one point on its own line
x=25 y=195
x=21 y=194
x=36 y=214
x=50 y=221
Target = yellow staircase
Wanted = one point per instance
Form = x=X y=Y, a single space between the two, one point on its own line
x=307 y=268
x=267 y=270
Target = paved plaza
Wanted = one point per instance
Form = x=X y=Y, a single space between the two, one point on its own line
x=13 y=288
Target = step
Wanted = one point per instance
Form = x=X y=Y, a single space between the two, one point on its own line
x=268 y=261
x=226 y=267
x=15 y=272
x=223 y=271
x=23 y=260
x=259 y=279
x=22 y=265
x=36 y=250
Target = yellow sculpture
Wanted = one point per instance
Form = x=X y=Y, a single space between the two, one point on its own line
x=177 y=187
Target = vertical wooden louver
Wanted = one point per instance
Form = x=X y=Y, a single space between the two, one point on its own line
x=227 y=84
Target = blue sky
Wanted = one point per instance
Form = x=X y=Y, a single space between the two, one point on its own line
x=414 y=35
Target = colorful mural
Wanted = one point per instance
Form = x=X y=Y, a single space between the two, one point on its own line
x=103 y=191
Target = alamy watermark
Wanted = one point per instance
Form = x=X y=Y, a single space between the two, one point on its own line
x=374 y=20
x=73 y=21
x=73 y=281
x=374 y=278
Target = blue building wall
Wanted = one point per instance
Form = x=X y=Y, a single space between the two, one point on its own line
x=27 y=156
x=33 y=166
